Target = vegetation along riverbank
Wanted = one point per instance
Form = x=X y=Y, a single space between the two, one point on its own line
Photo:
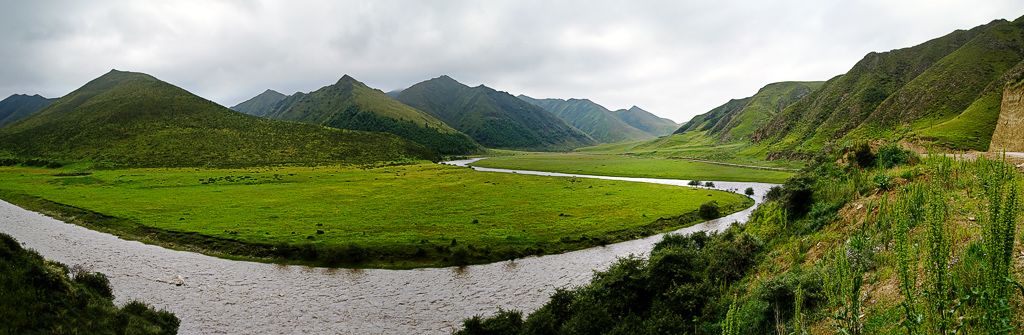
x=861 y=242
x=42 y=296
x=394 y=216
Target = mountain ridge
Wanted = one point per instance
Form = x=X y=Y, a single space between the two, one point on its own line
x=133 y=119
x=350 y=104
x=493 y=118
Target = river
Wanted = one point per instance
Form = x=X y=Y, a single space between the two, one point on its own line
x=238 y=297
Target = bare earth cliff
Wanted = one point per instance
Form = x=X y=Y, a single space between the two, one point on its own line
x=1009 y=134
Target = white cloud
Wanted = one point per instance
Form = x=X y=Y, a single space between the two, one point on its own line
x=676 y=59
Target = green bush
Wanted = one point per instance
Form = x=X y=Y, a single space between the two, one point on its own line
x=862 y=155
x=891 y=155
x=709 y=210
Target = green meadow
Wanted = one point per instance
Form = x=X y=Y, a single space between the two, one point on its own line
x=390 y=216
x=625 y=166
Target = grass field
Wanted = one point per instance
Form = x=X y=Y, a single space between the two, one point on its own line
x=393 y=216
x=623 y=166
x=696 y=145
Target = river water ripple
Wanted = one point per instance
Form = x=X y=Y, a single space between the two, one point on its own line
x=237 y=297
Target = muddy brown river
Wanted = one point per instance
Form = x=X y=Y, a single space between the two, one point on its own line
x=222 y=296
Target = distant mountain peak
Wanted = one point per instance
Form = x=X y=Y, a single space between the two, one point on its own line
x=347 y=80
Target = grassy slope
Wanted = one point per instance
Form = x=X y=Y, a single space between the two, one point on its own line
x=494 y=119
x=260 y=104
x=132 y=119
x=615 y=165
x=591 y=118
x=889 y=95
x=389 y=212
x=350 y=104
x=18 y=106
x=39 y=296
x=969 y=79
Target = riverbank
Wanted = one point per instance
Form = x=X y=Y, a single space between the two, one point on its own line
x=230 y=297
x=405 y=216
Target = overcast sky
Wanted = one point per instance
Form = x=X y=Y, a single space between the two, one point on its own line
x=673 y=58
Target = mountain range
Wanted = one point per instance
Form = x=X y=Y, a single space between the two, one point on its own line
x=945 y=92
x=20 y=105
x=350 y=104
x=134 y=119
x=493 y=118
x=604 y=125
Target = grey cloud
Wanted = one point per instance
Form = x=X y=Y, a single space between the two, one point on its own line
x=674 y=58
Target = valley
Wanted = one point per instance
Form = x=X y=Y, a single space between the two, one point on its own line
x=397 y=216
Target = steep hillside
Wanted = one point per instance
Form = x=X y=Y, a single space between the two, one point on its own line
x=591 y=118
x=494 y=119
x=350 y=104
x=133 y=119
x=916 y=93
x=645 y=121
x=737 y=119
x=260 y=104
x=20 y=105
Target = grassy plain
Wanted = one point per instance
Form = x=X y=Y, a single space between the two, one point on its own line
x=391 y=216
x=697 y=145
x=624 y=166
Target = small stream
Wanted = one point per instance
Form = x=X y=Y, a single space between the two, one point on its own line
x=237 y=297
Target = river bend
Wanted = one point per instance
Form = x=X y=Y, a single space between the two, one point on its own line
x=237 y=297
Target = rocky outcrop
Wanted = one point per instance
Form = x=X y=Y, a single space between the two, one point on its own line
x=1009 y=134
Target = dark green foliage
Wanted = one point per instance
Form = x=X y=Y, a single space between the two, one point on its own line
x=492 y=118
x=709 y=210
x=504 y=323
x=37 y=296
x=862 y=155
x=132 y=119
x=797 y=194
x=19 y=105
x=749 y=191
x=891 y=155
x=676 y=291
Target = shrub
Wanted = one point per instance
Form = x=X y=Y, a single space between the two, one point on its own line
x=884 y=182
x=749 y=191
x=695 y=183
x=891 y=155
x=709 y=210
x=862 y=155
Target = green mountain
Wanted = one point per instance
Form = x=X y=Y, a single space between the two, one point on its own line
x=133 y=119
x=946 y=91
x=645 y=121
x=494 y=119
x=591 y=118
x=350 y=104
x=20 y=105
x=260 y=104
x=739 y=118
